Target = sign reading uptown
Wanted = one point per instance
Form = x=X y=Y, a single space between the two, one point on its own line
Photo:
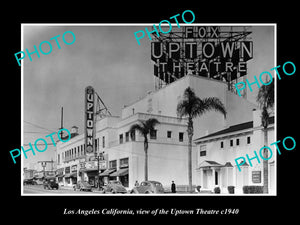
x=89 y=122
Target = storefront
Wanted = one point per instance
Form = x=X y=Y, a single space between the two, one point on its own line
x=105 y=176
x=60 y=176
x=123 y=176
x=73 y=174
x=122 y=173
x=89 y=172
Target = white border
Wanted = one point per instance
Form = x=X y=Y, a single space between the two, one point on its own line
x=147 y=24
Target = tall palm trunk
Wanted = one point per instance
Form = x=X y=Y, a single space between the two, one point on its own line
x=265 y=162
x=190 y=131
x=146 y=157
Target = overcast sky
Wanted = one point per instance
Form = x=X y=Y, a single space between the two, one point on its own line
x=105 y=57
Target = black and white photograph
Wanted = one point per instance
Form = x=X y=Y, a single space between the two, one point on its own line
x=181 y=109
x=179 y=113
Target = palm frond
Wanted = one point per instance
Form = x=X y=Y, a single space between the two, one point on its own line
x=189 y=105
x=265 y=96
x=213 y=103
x=192 y=106
x=139 y=127
x=151 y=123
x=144 y=127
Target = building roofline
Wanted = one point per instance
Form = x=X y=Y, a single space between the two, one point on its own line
x=234 y=129
x=180 y=79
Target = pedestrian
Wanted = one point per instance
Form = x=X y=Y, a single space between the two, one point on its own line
x=136 y=183
x=173 y=187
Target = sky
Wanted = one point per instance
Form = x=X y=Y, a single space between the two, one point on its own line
x=105 y=57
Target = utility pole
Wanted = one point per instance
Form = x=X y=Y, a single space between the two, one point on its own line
x=62 y=121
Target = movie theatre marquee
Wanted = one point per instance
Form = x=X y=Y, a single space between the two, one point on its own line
x=211 y=51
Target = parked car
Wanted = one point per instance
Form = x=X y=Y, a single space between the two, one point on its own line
x=148 y=187
x=114 y=186
x=82 y=186
x=29 y=182
x=50 y=183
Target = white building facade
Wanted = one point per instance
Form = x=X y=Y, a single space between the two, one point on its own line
x=216 y=154
x=122 y=155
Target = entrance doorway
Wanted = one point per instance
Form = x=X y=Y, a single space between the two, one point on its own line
x=216 y=178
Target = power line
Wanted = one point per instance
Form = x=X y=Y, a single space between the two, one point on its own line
x=35 y=132
x=39 y=144
x=38 y=126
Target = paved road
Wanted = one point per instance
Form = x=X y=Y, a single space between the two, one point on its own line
x=38 y=189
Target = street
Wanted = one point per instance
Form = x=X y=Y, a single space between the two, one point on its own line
x=39 y=189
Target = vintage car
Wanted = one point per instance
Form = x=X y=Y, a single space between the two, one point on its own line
x=50 y=183
x=29 y=182
x=82 y=186
x=113 y=186
x=148 y=187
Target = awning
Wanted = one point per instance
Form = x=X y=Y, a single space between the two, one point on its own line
x=208 y=164
x=71 y=175
x=228 y=164
x=244 y=163
x=50 y=177
x=120 y=172
x=107 y=172
x=67 y=175
x=88 y=169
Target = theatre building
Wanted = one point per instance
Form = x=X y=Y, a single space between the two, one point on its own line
x=218 y=141
x=216 y=154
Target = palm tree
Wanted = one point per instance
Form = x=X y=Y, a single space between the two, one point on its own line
x=144 y=128
x=192 y=107
x=265 y=99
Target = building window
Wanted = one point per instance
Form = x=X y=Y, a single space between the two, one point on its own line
x=113 y=164
x=202 y=150
x=153 y=134
x=127 y=136
x=231 y=143
x=124 y=162
x=222 y=144
x=181 y=136
x=121 y=138
x=132 y=135
x=248 y=140
x=169 y=134
x=237 y=141
x=103 y=141
x=67 y=170
x=58 y=158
